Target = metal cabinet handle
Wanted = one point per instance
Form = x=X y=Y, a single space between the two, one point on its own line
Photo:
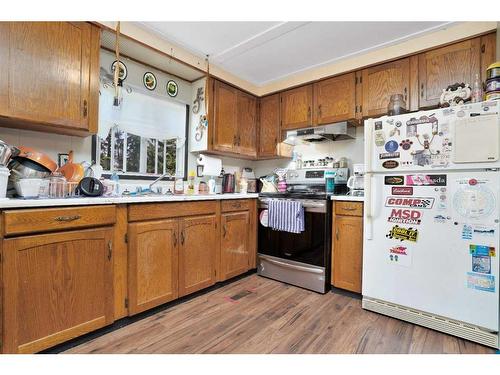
x=67 y=218
x=110 y=249
x=406 y=94
x=175 y=239
x=182 y=237
x=235 y=140
x=422 y=90
x=319 y=111
x=349 y=209
x=337 y=233
x=85 y=108
x=309 y=112
x=224 y=231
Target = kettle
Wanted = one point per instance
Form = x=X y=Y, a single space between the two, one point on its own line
x=228 y=183
x=7 y=152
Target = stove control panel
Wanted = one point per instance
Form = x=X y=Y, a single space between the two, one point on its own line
x=316 y=176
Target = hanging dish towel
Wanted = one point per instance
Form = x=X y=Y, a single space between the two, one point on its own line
x=285 y=215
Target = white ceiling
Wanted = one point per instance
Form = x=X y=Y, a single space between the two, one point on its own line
x=262 y=52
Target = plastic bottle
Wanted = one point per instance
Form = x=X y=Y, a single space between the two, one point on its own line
x=190 y=187
x=330 y=181
x=211 y=185
x=116 y=180
x=477 y=90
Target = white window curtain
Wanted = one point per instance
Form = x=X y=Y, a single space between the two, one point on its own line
x=143 y=115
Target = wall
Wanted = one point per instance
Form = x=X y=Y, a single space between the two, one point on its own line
x=352 y=149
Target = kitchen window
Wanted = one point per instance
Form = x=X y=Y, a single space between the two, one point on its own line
x=142 y=138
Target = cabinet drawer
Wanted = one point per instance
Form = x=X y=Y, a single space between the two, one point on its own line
x=53 y=219
x=349 y=208
x=235 y=205
x=153 y=211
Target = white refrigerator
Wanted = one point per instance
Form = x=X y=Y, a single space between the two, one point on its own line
x=431 y=219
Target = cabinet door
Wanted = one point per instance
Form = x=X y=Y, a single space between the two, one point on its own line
x=445 y=66
x=48 y=69
x=269 y=127
x=234 y=244
x=225 y=117
x=198 y=241
x=296 y=108
x=347 y=252
x=488 y=53
x=382 y=81
x=335 y=99
x=56 y=287
x=153 y=264
x=247 y=124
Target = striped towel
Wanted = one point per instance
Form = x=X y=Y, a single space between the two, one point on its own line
x=285 y=215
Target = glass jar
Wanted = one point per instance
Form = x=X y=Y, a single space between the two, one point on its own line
x=397 y=105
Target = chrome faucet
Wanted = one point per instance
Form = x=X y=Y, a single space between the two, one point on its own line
x=167 y=174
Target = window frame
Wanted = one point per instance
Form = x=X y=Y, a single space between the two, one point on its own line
x=126 y=176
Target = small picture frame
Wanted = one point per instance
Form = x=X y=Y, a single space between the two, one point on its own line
x=62 y=159
x=149 y=80
x=199 y=171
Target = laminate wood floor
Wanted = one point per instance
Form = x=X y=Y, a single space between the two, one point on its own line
x=258 y=315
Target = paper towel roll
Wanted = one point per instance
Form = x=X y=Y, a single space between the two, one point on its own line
x=211 y=166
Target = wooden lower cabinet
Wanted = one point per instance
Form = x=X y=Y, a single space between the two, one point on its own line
x=152 y=264
x=347 y=257
x=56 y=287
x=198 y=245
x=235 y=254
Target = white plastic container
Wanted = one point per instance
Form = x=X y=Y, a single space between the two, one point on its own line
x=4 y=178
x=28 y=187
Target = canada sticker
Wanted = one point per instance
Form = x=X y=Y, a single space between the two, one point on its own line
x=394 y=180
x=403 y=234
x=402 y=216
x=390 y=164
x=426 y=180
x=413 y=202
x=402 y=190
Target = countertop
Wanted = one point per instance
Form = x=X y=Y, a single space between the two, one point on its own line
x=347 y=198
x=24 y=203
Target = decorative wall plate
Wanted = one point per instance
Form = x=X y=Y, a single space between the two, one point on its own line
x=172 y=88
x=149 y=80
x=123 y=70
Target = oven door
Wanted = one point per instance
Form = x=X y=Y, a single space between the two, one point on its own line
x=309 y=247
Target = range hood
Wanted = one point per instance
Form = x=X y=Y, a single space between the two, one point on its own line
x=331 y=132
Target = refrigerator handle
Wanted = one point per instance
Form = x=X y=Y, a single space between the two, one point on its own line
x=368 y=145
x=368 y=206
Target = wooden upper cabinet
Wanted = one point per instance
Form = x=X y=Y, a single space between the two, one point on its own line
x=296 y=107
x=269 y=126
x=198 y=244
x=382 y=81
x=225 y=117
x=247 y=124
x=49 y=76
x=234 y=244
x=153 y=264
x=56 y=287
x=488 y=53
x=335 y=99
x=441 y=67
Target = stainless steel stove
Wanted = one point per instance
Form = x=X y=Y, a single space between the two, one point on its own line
x=301 y=259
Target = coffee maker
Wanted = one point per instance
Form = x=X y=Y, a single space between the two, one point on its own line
x=356 y=182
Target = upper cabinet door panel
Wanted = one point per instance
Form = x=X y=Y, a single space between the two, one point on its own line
x=335 y=99
x=296 y=108
x=247 y=124
x=49 y=73
x=225 y=117
x=488 y=53
x=445 y=66
x=382 y=81
x=269 y=130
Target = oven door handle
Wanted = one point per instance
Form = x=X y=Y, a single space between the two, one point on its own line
x=292 y=266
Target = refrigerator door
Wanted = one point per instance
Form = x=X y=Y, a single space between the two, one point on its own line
x=465 y=137
x=431 y=243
